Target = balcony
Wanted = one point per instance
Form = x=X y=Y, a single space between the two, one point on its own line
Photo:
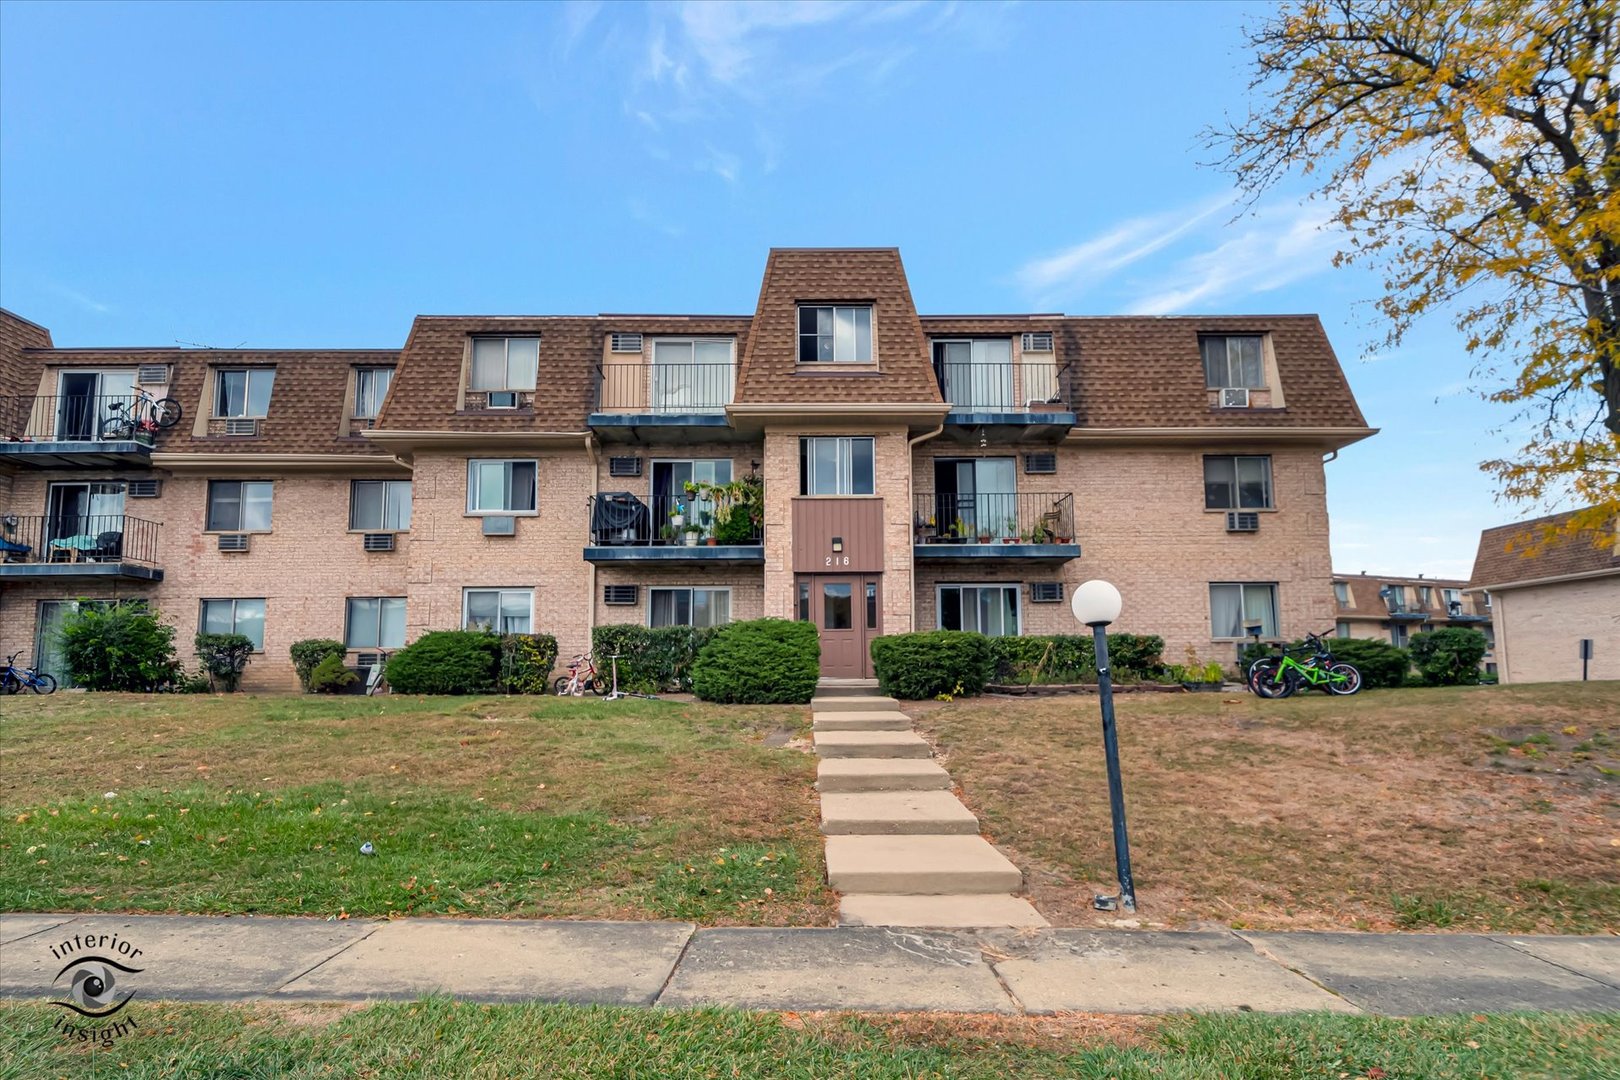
x=1026 y=526
x=1400 y=610
x=65 y=432
x=79 y=546
x=630 y=528
x=1457 y=613
x=638 y=399
x=1028 y=401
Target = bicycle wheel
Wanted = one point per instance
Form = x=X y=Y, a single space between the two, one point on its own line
x=598 y=686
x=117 y=428
x=1343 y=679
x=561 y=685
x=1270 y=681
x=44 y=684
x=10 y=683
x=167 y=412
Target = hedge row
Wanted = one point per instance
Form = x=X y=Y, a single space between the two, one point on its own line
x=763 y=662
x=957 y=662
x=651 y=660
x=473 y=662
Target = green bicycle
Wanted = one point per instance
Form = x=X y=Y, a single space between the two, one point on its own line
x=1280 y=675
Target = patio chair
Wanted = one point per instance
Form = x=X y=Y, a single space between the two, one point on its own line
x=109 y=548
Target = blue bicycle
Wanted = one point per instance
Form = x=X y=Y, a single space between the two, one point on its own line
x=13 y=679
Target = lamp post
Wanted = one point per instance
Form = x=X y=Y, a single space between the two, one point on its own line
x=1096 y=604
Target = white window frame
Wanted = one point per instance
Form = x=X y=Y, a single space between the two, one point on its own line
x=388 y=489
x=264 y=614
x=241 y=507
x=506 y=364
x=1243 y=607
x=844 y=459
x=691 y=606
x=1341 y=592
x=1451 y=596
x=1400 y=635
x=348 y=623
x=854 y=335
x=1341 y=629
x=1237 y=481
x=250 y=373
x=1228 y=380
x=501 y=592
x=360 y=394
x=1005 y=586
x=473 y=490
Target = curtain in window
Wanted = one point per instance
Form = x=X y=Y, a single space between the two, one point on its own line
x=1260 y=606
x=1226 y=611
x=392 y=623
x=370 y=387
x=671 y=607
x=488 y=364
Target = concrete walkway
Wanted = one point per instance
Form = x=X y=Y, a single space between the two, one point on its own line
x=901 y=847
x=203 y=958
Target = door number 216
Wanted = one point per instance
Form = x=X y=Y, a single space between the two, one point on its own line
x=837 y=560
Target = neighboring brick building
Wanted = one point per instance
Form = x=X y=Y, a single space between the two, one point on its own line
x=1549 y=589
x=964 y=471
x=1392 y=609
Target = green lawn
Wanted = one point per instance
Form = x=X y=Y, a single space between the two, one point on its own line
x=440 y=1038
x=498 y=806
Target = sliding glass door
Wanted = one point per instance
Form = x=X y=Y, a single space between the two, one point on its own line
x=976 y=375
x=83 y=400
x=976 y=496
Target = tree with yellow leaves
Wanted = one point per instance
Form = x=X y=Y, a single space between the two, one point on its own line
x=1473 y=153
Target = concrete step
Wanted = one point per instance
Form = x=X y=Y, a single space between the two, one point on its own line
x=871 y=744
x=880 y=774
x=919 y=865
x=861 y=703
x=862 y=721
x=847 y=688
x=934 y=813
x=966 y=911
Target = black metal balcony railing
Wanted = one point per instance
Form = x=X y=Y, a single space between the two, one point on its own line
x=634 y=385
x=621 y=519
x=71 y=538
x=1028 y=385
x=61 y=418
x=1025 y=517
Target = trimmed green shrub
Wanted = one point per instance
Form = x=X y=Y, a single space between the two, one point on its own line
x=1381 y=664
x=1449 y=656
x=651 y=660
x=925 y=665
x=222 y=658
x=309 y=653
x=761 y=662
x=1071 y=658
x=526 y=663
x=447 y=662
x=121 y=647
x=331 y=677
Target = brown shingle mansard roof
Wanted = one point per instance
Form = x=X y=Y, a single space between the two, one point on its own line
x=1514 y=553
x=427 y=386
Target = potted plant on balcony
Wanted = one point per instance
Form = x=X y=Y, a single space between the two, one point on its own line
x=1040 y=534
x=667 y=534
x=693 y=532
x=924 y=529
x=677 y=516
x=1009 y=534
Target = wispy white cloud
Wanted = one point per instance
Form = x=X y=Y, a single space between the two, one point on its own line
x=577 y=17
x=1079 y=266
x=88 y=303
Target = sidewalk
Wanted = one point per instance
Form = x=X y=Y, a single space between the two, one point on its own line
x=205 y=958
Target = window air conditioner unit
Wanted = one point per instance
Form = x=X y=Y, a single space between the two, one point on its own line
x=362 y=423
x=620 y=594
x=1241 y=521
x=377 y=542
x=624 y=466
x=501 y=399
x=1046 y=592
x=500 y=526
x=233 y=542
x=1041 y=463
x=152 y=375
x=1234 y=397
x=365 y=660
x=1038 y=342
x=143 y=489
x=625 y=343
x=242 y=426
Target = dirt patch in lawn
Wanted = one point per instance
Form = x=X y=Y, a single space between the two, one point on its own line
x=1390 y=810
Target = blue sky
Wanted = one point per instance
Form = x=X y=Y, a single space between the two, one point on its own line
x=299 y=175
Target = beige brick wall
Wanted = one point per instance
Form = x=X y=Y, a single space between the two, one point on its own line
x=745 y=582
x=1539 y=629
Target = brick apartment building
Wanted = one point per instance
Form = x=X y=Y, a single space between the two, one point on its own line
x=963 y=471
x=1392 y=609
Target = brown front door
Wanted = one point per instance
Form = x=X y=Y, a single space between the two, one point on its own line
x=848 y=612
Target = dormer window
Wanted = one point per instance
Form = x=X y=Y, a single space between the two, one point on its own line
x=835 y=334
x=370 y=387
x=243 y=392
x=1233 y=360
x=504 y=364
